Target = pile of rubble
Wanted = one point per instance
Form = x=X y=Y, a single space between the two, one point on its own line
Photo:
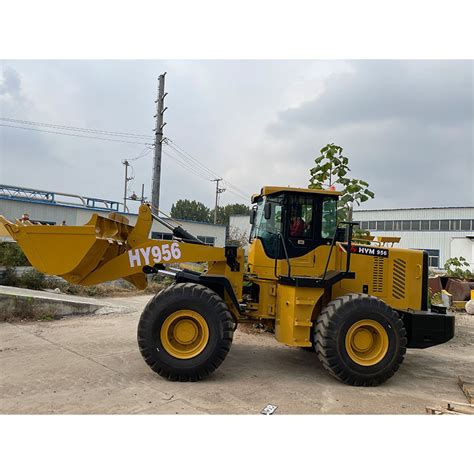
x=453 y=292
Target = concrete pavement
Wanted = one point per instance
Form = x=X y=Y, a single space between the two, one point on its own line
x=23 y=303
x=91 y=364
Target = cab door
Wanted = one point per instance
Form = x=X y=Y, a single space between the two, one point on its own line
x=300 y=229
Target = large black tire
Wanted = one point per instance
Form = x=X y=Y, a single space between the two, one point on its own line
x=336 y=321
x=188 y=297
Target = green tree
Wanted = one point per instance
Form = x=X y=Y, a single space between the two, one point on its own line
x=224 y=212
x=197 y=211
x=458 y=268
x=331 y=170
x=190 y=210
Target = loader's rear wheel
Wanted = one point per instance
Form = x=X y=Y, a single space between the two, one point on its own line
x=360 y=339
x=185 y=332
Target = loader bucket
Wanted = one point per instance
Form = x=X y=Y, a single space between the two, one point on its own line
x=72 y=252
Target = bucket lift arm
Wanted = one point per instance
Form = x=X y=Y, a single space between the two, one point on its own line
x=108 y=248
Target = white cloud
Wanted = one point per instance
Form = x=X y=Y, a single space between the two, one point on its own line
x=407 y=126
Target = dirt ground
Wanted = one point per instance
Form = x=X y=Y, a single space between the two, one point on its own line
x=91 y=364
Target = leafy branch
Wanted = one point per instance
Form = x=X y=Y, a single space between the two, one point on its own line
x=331 y=171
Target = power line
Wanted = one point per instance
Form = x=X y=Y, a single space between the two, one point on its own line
x=77 y=129
x=235 y=190
x=73 y=134
x=203 y=168
x=177 y=160
x=186 y=166
x=142 y=154
x=209 y=176
x=180 y=156
x=188 y=156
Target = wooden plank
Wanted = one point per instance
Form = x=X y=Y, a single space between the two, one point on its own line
x=440 y=411
x=460 y=409
x=461 y=404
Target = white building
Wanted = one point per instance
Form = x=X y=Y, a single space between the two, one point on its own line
x=445 y=232
x=55 y=208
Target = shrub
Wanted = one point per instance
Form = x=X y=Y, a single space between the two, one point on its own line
x=9 y=277
x=32 y=279
x=458 y=268
x=11 y=255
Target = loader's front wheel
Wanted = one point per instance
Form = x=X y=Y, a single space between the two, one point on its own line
x=360 y=339
x=185 y=332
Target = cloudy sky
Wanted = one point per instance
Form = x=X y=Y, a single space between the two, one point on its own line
x=406 y=126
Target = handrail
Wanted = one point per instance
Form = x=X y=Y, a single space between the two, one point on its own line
x=333 y=243
x=350 y=226
x=286 y=256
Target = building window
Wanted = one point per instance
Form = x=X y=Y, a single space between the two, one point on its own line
x=419 y=225
x=444 y=224
x=161 y=236
x=433 y=257
x=207 y=239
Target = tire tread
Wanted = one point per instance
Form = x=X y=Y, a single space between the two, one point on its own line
x=326 y=327
x=188 y=291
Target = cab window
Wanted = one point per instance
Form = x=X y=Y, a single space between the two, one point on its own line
x=329 y=218
x=301 y=217
x=268 y=230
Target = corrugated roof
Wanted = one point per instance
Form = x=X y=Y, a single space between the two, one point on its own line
x=93 y=209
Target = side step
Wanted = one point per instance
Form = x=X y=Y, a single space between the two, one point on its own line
x=331 y=277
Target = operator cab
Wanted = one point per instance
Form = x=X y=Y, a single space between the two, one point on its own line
x=291 y=222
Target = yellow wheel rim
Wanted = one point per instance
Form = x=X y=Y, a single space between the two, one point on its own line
x=367 y=342
x=184 y=334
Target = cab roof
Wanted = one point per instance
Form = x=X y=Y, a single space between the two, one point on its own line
x=267 y=190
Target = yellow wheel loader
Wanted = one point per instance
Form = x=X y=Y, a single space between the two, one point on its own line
x=359 y=306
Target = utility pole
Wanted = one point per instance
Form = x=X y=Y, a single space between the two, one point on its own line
x=127 y=179
x=218 y=191
x=160 y=110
